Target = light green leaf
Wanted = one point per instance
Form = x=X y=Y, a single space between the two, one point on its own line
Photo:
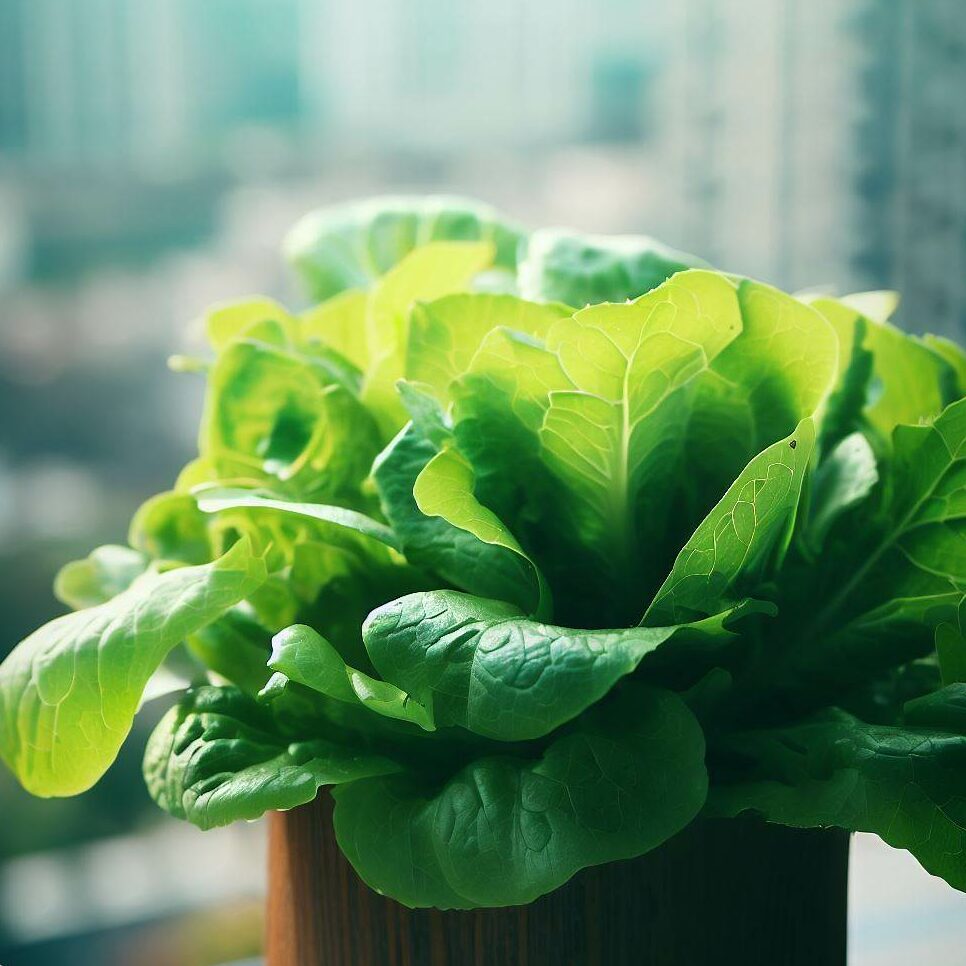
x=101 y=575
x=218 y=499
x=218 y=757
x=913 y=547
x=282 y=418
x=425 y=411
x=259 y=318
x=778 y=372
x=170 y=526
x=306 y=657
x=445 y=334
x=845 y=411
x=506 y=830
x=628 y=425
x=69 y=692
x=592 y=423
x=429 y=272
x=340 y=323
x=892 y=571
x=742 y=539
x=351 y=245
x=444 y=488
x=908 y=377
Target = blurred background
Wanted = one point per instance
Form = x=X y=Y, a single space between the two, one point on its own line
x=152 y=155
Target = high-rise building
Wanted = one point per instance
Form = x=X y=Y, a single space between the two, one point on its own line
x=442 y=77
x=756 y=136
x=910 y=145
x=806 y=142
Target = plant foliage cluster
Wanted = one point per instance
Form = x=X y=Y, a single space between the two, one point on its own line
x=537 y=548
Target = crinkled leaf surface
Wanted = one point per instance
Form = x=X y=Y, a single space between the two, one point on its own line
x=218 y=757
x=282 y=418
x=506 y=830
x=907 y=784
x=481 y=665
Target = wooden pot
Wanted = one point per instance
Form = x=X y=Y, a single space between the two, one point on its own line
x=720 y=892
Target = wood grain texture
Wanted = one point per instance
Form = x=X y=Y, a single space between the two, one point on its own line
x=720 y=892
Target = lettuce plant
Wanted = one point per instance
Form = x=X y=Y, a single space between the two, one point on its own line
x=536 y=548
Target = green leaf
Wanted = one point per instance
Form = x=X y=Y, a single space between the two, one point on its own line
x=306 y=657
x=340 y=323
x=218 y=499
x=425 y=411
x=908 y=377
x=591 y=422
x=778 y=372
x=580 y=270
x=259 y=318
x=953 y=355
x=445 y=334
x=235 y=646
x=444 y=488
x=741 y=541
x=481 y=665
x=429 y=272
x=218 y=757
x=951 y=647
x=506 y=830
x=845 y=412
x=432 y=543
x=628 y=425
x=281 y=418
x=845 y=478
x=103 y=574
x=913 y=547
x=170 y=526
x=352 y=245
x=905 y=784
x=69 y=692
